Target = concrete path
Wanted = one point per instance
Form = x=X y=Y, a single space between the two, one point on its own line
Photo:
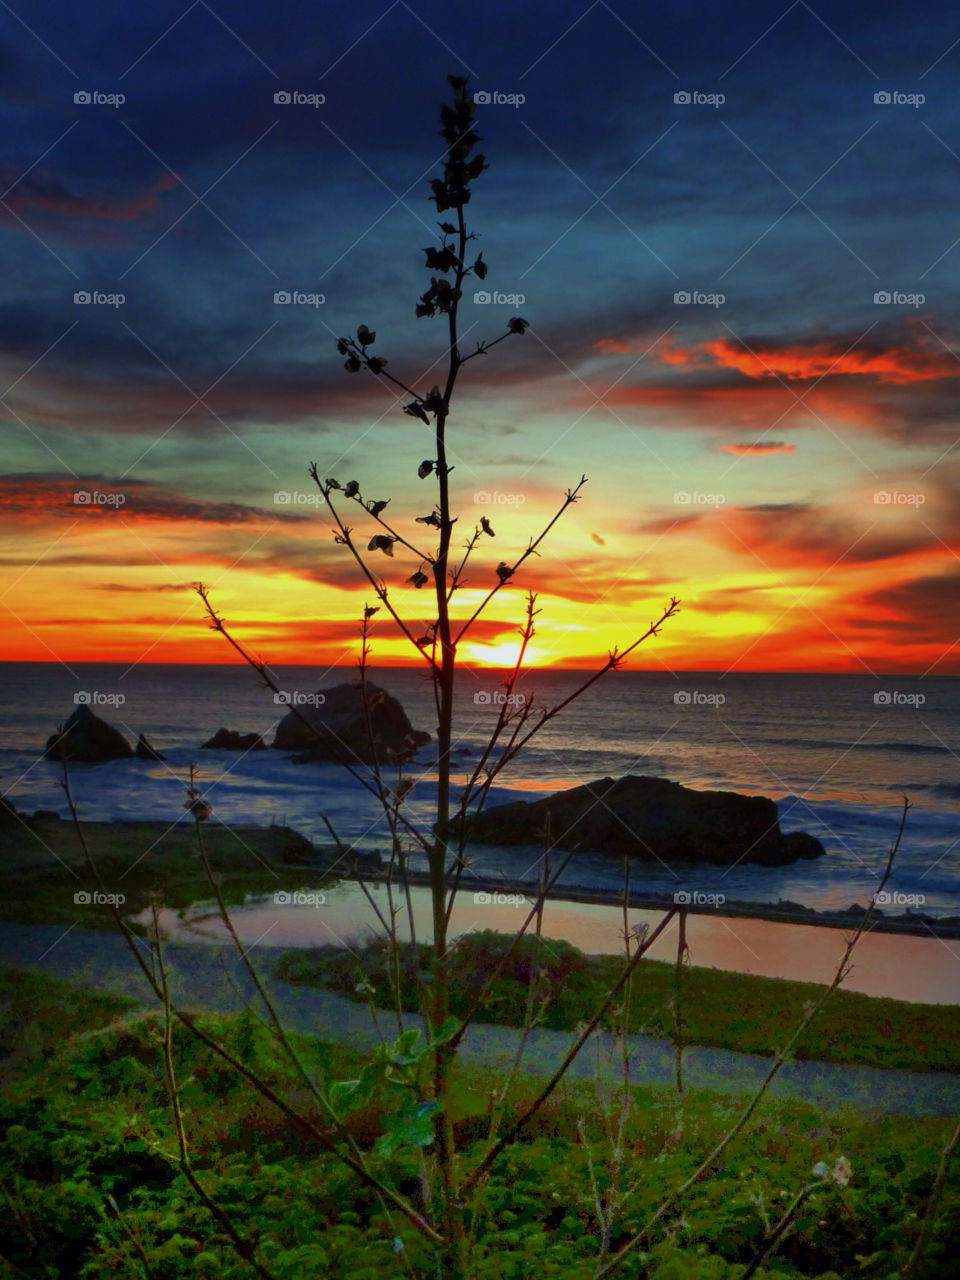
x=211 y=977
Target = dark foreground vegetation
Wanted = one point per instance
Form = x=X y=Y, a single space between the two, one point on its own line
x=91 y=1185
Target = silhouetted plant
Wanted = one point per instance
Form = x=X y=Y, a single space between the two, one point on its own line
x=417 y=1070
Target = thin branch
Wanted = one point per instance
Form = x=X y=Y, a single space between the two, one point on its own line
x=635 y=1241
x=581 y=1040
x=570 y=498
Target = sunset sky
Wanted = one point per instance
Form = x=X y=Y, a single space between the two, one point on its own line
x=782 y=452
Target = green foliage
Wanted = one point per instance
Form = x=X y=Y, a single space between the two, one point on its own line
x=721 y=1009
x=89 y=1128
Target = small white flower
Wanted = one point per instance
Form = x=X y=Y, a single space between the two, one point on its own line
x=820 y=1169
x=842 y=1171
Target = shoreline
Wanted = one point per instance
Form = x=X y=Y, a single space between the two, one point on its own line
x=280 y=849
x=909 y=924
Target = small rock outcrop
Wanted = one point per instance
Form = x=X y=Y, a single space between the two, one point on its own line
x=231 y=740
x=336 y=727
x=649 y=819
x=85 y=737
x=145 y=751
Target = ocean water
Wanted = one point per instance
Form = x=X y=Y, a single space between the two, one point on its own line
x=836 y=752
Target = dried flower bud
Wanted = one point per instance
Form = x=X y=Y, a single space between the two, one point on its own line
x=342 y=346
x=432 y=519
x=516 y=325
x=418 y=579
x=351 y=489
x=504 y=571
x=486 y=526
x=375 y=364
x=376 y=507
x=416 y=410
x=352 y=364
x=365 y=336
x=480 y=268
x=381 y=542
x=424 y=469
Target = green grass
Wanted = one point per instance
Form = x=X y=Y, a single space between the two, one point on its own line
x=721 y=1009
x=88 y=1128
x=44 y=867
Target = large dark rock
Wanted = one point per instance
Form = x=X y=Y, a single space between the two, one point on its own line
x=231 y=740
x=651 y=818
x=336 y=729
x=88 y=738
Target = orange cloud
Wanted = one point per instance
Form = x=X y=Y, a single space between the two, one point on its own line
x=759 y=447
x=801 y=361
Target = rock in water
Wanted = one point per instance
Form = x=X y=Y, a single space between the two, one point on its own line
x=231 y=740
x=651 y=818
x=86 y=737
x=336 y=728
x=145 y=751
